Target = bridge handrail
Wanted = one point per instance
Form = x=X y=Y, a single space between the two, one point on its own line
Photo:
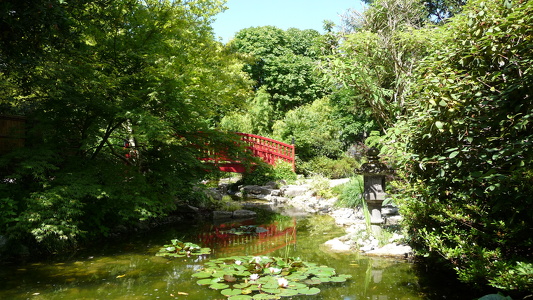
x=268 y=149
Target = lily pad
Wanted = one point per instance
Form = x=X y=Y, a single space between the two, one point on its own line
x=207 y=281
x=265 y=296
x=337 y=279
x=309 y=291
x=288 y=293
x=313 y=281
x=178 y=248
x=274 y=291
x=240 y=297
x=262 y=277
x=241 y=285
x=201 y=275
x=218 y=286
x=296 y=285
x=231 y=292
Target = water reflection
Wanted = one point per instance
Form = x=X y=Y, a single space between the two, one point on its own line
x=129 y=269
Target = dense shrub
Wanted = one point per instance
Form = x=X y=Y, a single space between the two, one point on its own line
x=469 y=176
x=314 y=129
x=331 y=168
x=264 y=173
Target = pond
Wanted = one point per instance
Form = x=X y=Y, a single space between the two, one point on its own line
x=127 y=267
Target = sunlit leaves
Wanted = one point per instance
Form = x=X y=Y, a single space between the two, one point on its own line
x=263 y=277
x=472 y=154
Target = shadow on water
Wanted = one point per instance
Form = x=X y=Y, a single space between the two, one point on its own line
x=128 y=268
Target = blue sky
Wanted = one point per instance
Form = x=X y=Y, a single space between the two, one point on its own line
x=284 y=14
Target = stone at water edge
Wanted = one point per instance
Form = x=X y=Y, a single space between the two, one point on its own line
x=391 y=250
x=337 y=245
x=243 y=213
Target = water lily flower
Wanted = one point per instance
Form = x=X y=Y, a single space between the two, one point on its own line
x=254 y=276
x=257 y=259
x=282 y=282
x=238 y=262
x=274 y=270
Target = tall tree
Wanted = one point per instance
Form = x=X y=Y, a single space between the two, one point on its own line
x=115 y=111
x=376 y=62
x=283 y=62
x=437 y=10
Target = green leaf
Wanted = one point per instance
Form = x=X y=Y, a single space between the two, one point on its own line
x=218 y=286
x=231 y=292
x=201 y=275
x=453 y=154
x=240 y=297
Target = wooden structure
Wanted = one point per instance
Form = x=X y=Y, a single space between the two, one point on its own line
x=269 y=150
x=12 y=133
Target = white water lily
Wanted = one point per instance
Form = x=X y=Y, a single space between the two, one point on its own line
x=254 y=276
x=274 y=270
x=238 y=262
x=282 y=282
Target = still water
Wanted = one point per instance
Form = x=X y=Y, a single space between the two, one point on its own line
x=127 y=268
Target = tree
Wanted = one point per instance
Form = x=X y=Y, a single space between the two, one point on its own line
x=282 y=62
x=469 y=136
x=376 y=62
x=117 y=110
x=437 y=10
x=313 y=128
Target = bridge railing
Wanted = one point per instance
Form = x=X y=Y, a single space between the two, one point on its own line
x=269 y=150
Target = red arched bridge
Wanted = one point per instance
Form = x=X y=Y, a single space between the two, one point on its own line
x=268 y=150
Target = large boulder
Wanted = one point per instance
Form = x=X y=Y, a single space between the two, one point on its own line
x=291 y=191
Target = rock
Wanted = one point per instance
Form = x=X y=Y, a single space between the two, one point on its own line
x=389 y=210
x=335 y=182
x=276 y=193
x=391 y=250
x=219 y=214
x=254 y=191
x=243 y=214
x=394 y=220
x=337 y=245
x=292 y=191
x=214 y=193
x=366 y=248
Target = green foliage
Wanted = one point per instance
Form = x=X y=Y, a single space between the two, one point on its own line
x=178 y=248
x=352 y=193
x=321 y=186
x=315 y=131
x=269 y=277
x=282 y=62
x=437 y=10
x=264 y=173
x=257 y=119
x=469 y=174
x=376 y=61
x=119 y=97
x=331 y=168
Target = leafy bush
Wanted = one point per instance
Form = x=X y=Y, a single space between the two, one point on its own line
x=352 y=193
x=469 y=172
x=331 y=168
x=314 y=129
x=321 y=186
x=264 y=173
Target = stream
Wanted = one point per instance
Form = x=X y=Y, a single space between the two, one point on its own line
x=126 y=267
